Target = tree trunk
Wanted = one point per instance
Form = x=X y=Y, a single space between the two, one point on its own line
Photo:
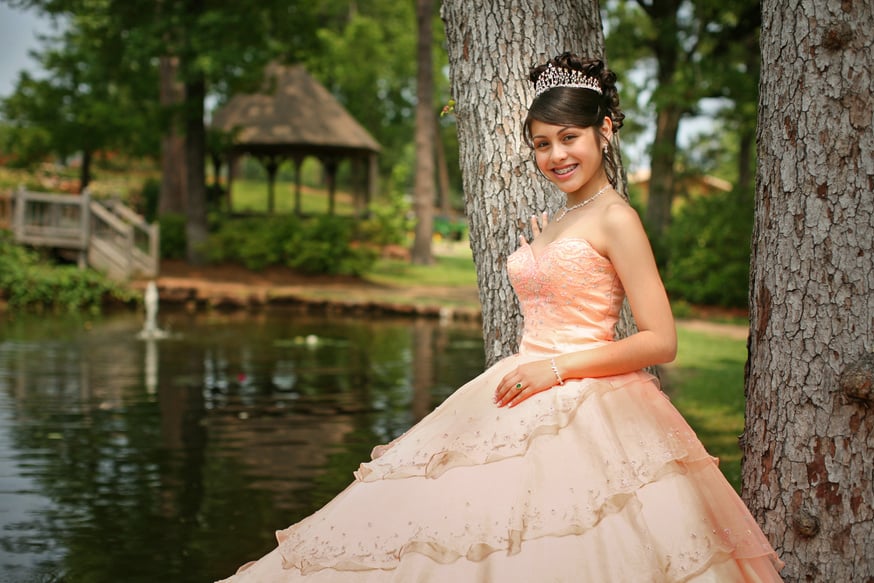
x=665 y=44
x=85 y=170
x=746 y=138
x=809 y=437
x=423 y=197
x=661 y=186
x=443 y=187
x=172 y=196
x=488 y=68
x=195 y=173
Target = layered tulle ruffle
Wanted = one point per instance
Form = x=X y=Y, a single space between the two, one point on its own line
x=597 y=480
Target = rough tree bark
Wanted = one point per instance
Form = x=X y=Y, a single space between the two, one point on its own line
x=809 y=439
x=491 y=45
x=195 y=173
x=443 y=189
x=663 y=175
x=172 y=197
x=423 y=197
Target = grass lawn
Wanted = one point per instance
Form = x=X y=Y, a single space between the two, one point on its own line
x=705 y=383
x=452 y=267
x=251 y=196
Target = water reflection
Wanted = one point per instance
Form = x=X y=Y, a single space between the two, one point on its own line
x=134 y=460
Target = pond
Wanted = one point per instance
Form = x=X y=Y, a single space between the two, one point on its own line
x=175 y=460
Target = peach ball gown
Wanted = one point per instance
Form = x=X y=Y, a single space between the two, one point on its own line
x=599 y=480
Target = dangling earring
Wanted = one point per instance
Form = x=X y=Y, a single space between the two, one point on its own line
x=605 y=149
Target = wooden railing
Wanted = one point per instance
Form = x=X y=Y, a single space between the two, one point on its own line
x=5 y=210
x=144 y=239
x=109 y=237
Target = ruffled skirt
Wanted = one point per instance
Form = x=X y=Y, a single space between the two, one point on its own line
x=599 y=480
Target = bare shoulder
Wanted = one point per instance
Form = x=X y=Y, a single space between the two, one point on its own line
x=620 y=221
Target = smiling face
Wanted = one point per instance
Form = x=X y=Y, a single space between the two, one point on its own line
x=571 y=157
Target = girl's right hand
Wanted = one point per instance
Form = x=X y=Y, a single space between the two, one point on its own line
x=536 y=226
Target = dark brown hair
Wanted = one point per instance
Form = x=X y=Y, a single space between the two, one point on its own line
x=577 y=106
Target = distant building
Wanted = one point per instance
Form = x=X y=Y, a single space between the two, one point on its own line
x=688 y=186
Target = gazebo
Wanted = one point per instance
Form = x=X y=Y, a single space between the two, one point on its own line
x=294 y=117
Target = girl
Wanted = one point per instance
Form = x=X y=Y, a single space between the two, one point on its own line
x=564 y=462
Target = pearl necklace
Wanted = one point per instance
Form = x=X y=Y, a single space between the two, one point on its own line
x=580 y=205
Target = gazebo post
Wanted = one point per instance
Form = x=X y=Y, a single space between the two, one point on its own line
x=233 y=159
x=298 y=163
x=354 y=172
x=372 y=173
x=271 y=164
x=330 y=165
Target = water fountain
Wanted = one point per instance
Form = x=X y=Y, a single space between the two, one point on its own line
x=150 y=333
x=150 y=329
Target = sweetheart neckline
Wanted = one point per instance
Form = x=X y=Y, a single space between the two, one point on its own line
x=546 y=247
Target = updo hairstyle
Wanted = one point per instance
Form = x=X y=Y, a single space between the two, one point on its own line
x=577 y=106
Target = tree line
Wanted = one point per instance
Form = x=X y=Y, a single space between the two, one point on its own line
x=135 y=77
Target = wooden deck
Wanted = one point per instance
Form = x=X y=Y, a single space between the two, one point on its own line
x=107 y=236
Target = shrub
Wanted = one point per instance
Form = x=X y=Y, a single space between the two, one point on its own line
x=173 y=237
x=255 y=242
x=389 y=222
x=709 y=250
x=149 y=197
x=27 y=282
x=324 y=244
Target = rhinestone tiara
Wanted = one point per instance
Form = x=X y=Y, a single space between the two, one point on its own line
x=560 y=77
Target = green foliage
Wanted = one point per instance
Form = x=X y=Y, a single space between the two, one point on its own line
x=149 y=195
x=451 y=229
x=102 y=92
x=91 y=97
x=173 y=238
x=254 y=242
x=389 y=222
x=323 y=244
x=377 y=85
x=686 y=57
x=26 y=282
x=709 y=249
x=27 y=145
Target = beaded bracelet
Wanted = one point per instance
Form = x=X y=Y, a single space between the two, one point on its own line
x=555 y=371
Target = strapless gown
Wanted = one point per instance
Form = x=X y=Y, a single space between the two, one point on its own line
x=596 y=481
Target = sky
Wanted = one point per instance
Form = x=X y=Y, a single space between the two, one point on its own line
x=18 y=36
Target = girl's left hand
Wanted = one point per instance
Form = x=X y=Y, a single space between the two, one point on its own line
x=525 y=381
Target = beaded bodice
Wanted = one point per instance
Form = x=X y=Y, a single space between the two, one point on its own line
x=570 y=296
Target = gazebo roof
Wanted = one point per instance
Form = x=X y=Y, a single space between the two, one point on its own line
x=294 y=114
